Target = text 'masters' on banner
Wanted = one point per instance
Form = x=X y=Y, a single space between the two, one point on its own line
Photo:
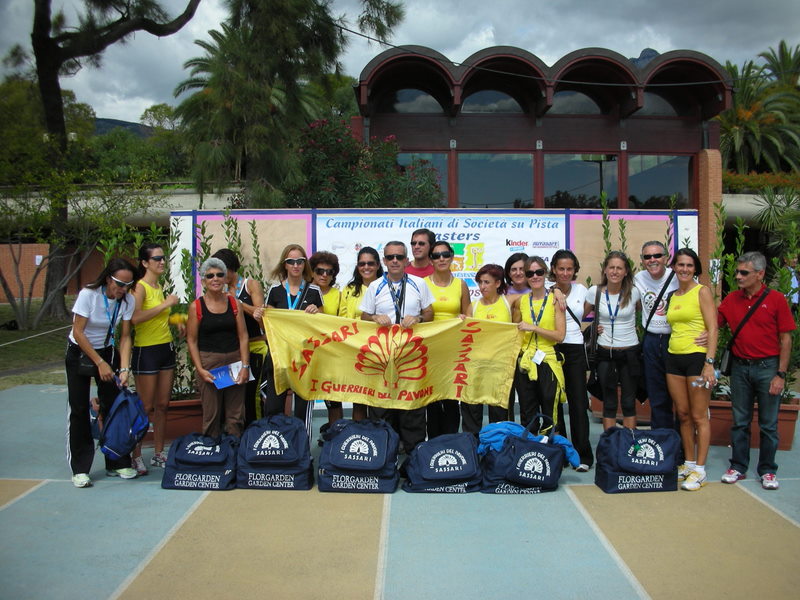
x=332 y=358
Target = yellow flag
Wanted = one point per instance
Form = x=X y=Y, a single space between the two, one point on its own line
x=332 y=358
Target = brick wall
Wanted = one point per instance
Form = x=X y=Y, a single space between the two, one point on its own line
x=709 y=171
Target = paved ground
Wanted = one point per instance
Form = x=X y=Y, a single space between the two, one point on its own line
x=131 y=539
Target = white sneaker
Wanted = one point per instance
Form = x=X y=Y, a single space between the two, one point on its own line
x=81 y=480
x=138 y=464
x=731 y=476
x=126 y=473
x=694 y=481
x=683 y=472
x=769 y=481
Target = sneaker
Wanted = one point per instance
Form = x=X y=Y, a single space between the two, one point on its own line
x=582 y=468
x=159 y=460
x=769 y=481
x=138 y=464
x=126 y=473
x=694 y=481
x=731 y=476
x=683 y=472
x=81 y=480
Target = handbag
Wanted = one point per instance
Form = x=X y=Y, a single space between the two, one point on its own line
x=447 y=464
x=86 y=366
x=274 y=454
x=201 y=462
x=524 y=462
x=632 y=460
x=590 y=334
x=726 y=361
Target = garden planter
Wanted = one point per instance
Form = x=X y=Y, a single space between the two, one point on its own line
x=722 y=421
x=183 y=416
x=642 y=410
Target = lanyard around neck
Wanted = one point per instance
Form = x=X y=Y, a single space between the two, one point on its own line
x=537 y=318
x=111 y=318
x=397 y=296
x=293 y=304
x=612 y=316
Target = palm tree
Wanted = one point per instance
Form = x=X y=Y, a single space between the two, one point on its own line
x=761 y=131
x=784 y=64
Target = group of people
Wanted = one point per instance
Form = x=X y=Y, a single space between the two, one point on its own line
x=675 y=358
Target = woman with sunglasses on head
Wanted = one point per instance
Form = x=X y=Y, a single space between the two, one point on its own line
x=564 y=267
x=325 y=267
x=217 y=336
x=153 y=361
x=516 y=285
x=450 y=299
x=492 y=306
x=368 y=269
x=617 y=343
x=294 y=292
x=251 y=295
x=539 y=379
x=99 y=309
x=690 y=367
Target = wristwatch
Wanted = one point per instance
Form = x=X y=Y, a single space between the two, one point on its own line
x=709 y=360
x=781 y=374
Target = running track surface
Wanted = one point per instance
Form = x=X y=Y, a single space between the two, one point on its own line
x=131 y=539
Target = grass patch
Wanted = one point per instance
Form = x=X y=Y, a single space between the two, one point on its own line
x=35 y=351
x=48 y=376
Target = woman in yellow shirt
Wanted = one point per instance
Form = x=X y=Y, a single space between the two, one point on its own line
x=325 y=268
x=492 y=306
x=450 y=299
x=153 y=359
x=368 y=269
x=690 y=368
x=539 y=379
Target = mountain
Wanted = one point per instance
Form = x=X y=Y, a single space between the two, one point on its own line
x=102 y=126
x=645 y=57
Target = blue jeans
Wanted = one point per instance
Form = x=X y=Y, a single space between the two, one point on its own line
x=654 y=355
x=750 y=384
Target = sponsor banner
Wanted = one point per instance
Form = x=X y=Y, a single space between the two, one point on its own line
x=332 y=358
x=477 y=238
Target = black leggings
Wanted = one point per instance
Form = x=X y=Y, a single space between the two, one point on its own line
x=618 y=368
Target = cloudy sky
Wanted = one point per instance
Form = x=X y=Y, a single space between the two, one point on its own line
x=145 y=70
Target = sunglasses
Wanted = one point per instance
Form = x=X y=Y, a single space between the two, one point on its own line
x=294 y=261
x=537 y=272
x=321 y=271
x=368 y=263
x=160 y=258
x=391 y=257
x=742 y=272
x=445 y=254
x=650 y=256
x=418 y=243
x=212 y=275
x=125 y=284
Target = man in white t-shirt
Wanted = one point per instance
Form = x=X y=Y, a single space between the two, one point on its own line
x=650 y=282
x=399 y=298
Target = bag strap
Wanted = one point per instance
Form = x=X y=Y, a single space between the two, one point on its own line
x=199 y=310
x=572 y=314
x=111 y=325
x=658 y=299
x=540 y=418
x=747 y=316
x=595 y=321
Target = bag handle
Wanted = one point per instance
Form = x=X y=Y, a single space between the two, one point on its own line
x=543 y=419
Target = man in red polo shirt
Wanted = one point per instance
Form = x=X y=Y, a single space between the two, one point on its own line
x=422 y=240
x=758 y=373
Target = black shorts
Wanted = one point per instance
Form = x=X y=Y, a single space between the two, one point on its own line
x=149 y=360
x=686 y=365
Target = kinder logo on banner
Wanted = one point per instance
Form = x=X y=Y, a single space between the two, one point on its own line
x=447 y=461
x=533 y=465
x=646 y=451
x=338 y=359
x=270 y=443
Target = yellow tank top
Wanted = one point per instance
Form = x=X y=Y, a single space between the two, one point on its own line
x=686 y=319
x=156 y=329
x=330 y=301
x=446 y=300
x=547 y=321
x=349 y=303
x=498 y=311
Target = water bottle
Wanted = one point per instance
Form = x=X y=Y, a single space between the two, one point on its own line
x=700 y=382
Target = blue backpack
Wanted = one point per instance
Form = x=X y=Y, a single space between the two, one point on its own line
x=124 y=426
x=446 y=464
x=274 y=455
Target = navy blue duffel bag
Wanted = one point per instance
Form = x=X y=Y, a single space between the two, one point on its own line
x=359 y=456
x=630 y=460
x=274 y=455
x=200 y=462
x=446 y=464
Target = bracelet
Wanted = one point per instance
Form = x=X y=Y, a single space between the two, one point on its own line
x=125 y=370
x=245 y=366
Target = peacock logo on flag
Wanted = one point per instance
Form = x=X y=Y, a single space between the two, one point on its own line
x=394 y=353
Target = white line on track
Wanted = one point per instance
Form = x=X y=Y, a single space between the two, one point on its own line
x=157 y=548
x=638 y=587
x=767 y=504
x=383 y=547
x=23 y=494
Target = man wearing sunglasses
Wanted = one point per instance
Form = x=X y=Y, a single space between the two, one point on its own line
x=651 y=280
x=399 y=298
x=422 y=241
x=760 y=351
